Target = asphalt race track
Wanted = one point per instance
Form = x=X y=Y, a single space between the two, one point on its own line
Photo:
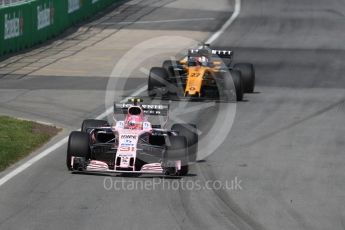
x=285 y=149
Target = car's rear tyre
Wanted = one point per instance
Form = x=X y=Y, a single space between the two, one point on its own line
x=177 y=150
x=78 y=146
x=170 y=66
x=248 y=76
x=158 y=82
x=189 y=131
x=90 y=123
x=237 y=80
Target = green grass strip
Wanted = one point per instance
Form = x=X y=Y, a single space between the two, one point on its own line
x=18 y=138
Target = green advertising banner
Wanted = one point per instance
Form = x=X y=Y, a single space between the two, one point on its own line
x=16 y=28
x=26 y=24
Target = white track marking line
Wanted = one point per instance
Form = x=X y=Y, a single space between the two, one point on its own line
x=33 y=160
x=159 y=21
x=235 y=14
x=60 y=143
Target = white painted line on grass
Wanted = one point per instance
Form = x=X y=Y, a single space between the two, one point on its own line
x=60 y=143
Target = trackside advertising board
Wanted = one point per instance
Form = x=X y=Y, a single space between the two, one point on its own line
x=13 y=24
x=25 y=24
x=45 y=15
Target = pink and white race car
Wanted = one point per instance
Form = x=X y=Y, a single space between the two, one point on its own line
x=133 y=145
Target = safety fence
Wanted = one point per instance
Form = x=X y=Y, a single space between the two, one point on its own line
x=25 y=24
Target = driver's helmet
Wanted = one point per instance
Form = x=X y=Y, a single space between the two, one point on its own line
x=134 y=118
x=203 y=60
x=198 y=61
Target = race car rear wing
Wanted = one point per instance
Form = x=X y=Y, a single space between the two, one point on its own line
x=223 y=53
x=149 y=109
x=210 y=53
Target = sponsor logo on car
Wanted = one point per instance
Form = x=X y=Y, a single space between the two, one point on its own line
x=125 y=154
x=157 y=107
x=222 y=52
x=128 y=136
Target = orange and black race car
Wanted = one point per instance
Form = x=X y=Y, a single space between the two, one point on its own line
x=202 y=74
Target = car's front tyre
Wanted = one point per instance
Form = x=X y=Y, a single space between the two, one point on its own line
x=78 y=146
x=158 y=82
